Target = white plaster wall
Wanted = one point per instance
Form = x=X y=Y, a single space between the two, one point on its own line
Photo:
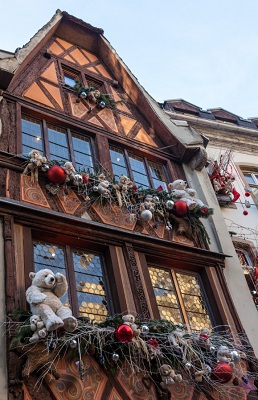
x=3 y=370
x=221 y=242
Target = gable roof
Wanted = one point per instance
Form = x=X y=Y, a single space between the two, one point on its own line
x=183 y=140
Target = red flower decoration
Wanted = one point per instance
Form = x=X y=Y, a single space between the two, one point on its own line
x=204 y=210
x=159 y=189
x=134 y=188
x=154 y=343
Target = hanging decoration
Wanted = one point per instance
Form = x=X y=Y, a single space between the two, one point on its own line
x=222 y=179
x=155 y=206
x=164 y=353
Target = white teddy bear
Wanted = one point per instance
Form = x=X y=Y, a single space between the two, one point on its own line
x=179 y=191
x=38 y=328
x=43 y=296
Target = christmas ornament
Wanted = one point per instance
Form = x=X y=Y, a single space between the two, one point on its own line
x=247 y=194
x=102 y=104
x=56 y=174
x=145 y=329
x=245 y=379
x=235 y=356
x=247 y=204
x=146 y=215
x=78 y=178
x=188 y=365
x=245 y=212
x=236 y=195
x=169 y=204
x=83 y=95
x=222 y=372
x=95 y=188
x=212 y=349
x=124 y=333
x=73 y=344
x=180 y=208
x=115 y=357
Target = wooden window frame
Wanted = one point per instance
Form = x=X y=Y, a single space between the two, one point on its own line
x=181 y=304
x=127 y=152
x=44 y=123
x=108 y=258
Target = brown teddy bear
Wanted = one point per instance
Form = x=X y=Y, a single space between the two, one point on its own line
x=168 y=376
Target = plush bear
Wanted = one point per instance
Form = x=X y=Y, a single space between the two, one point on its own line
x=122 y=188
x=203 y=338
x=168 y=376
x=36 y=161
x=223 y=354
x=130 y=320
x=205 y=371
x=70 y=171
x=103 y=189
x=179 y=192
x=38 y=328
x=44 y=298
x=93 y=96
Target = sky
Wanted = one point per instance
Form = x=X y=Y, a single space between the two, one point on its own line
x=204 y=52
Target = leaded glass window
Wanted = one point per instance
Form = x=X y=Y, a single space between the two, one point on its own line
x=86 y=272
x=180 y=298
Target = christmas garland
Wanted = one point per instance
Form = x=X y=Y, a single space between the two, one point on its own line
x=162 y=352
x=157 y=206
x=93 y=95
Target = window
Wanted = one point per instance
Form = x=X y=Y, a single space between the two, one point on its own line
x=180 y=298
x=252 y=180
x=70 y=77
x=57 y=143
x=84 y=271
x=142 y=172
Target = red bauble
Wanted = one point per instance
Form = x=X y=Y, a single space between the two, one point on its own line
x=180 y=208
x=255 y=273
x=56 y=174
x=247 y=194
x=245 y=212
x=222 y=372
x=124 y=333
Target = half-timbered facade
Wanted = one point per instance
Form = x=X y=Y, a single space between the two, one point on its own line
x=115 y=261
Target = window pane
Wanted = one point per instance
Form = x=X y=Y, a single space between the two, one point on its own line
x=187 y=288
x=118 y=162
x=193 y=301
x=31 y=135
x=249 y=178
x=52 y=257
x=90 y=285
x=158 y=176
x=69 y=79
x=58 y=146
x=82 y=153
x=139 y=171
x=165 y=295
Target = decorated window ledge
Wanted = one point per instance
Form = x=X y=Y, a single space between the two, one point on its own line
x=163 y=353
x=178 y=205
x=95 y=96
x=222 y=180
